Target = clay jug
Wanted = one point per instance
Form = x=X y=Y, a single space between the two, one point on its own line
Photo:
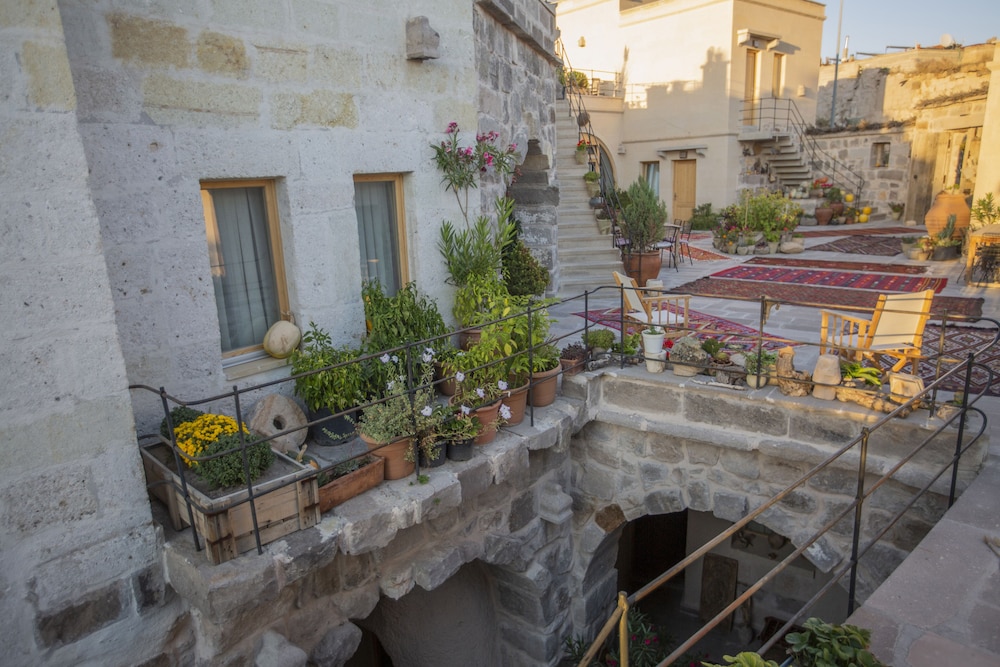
x=946 y=204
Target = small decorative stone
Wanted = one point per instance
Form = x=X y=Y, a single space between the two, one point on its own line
x=281 y=339
x=826 y=377
x=422 y=41
x=274 y=414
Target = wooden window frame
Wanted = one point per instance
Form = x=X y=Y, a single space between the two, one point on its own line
x=274 y=239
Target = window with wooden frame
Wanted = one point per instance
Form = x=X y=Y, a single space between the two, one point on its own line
x=378 y=203
x=244 y=249
x=880 y=154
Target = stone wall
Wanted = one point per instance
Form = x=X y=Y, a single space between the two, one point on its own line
x=79 y=557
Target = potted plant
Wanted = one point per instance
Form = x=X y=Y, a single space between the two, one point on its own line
x=896 y=209
x=389 y=425
x=818 y=641
x=591 y=180
x=218 y=487
x=652 y=340
x=945 y=246
x=459 y=434
x=341 y=482
x=922 y=250
x=835 y=200
x=598 y=341
x=643 y=226
x=523 y=275
x=581 y=151
x=759 y=365
x=481 y=380
x=984 y=212
x=573 y=358
x=331 y=383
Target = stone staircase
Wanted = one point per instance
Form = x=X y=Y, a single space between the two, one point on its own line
x=787 y=162
x=585 y=256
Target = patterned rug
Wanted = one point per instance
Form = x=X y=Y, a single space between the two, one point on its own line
x=856 y=280
x=863 y=245
x=959 y=340
x=877 y=267
x=726 y=331
x=838 y=230
x=705 y=255
x=822 y=297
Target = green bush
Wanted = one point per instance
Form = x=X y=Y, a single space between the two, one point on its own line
x=522 y=273
x=227 y=470
x=703 y=218
x=178 y=416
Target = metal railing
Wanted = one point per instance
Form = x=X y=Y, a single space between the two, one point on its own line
x=927 y=398
x=782 y=116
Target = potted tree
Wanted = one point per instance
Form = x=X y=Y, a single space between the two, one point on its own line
x=330 y=381
x=643 y=226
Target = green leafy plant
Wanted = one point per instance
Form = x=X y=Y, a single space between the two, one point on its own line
x=744 y=659
x=822 y=644
x=759 y=362
x=573 y=352
x=573 y=78
x=833 y=195
x=403 y=318
x=397 y=411
x=227 y=470
x=630 y=344
x=591 y=176
x=333 y=380
x=897 y=207
x=645 y=218
x=711 y=345
x=601 y=338
x=703 y=218
x=477 y=250
x=985 y=211
x=179 y=415
x=522 y=273
x=944 y=239
x=855 y=371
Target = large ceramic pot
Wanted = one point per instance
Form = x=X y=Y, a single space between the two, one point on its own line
x=394 y=453
x=642 y=266
x=823 y=215
x=543 y=387
x=946 y=204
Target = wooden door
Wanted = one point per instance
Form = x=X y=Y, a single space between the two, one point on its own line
x=751 y=87
x=684 y=189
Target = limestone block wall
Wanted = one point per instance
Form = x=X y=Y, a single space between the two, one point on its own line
x=79 y=557
x=885 y=183
x=308 y=94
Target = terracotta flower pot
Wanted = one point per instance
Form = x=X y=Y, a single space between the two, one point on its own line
x=517 y=401
x=642 y=266
x=487 y=415
x=947 y=204
x=396 y=466
x=543 y=387
x=823 y=215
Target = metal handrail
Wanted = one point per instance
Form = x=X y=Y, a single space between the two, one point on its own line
x=784 y=117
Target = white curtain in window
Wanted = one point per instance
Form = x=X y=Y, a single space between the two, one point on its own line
x=246 y=293
x=375 y=205
x=652 y=176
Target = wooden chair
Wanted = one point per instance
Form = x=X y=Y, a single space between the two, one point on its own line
x=668 y=246
x=896 y=330
x=669 y=311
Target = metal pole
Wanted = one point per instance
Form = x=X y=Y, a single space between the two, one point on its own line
x=836 y=65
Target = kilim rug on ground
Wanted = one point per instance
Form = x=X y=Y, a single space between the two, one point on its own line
x=838 y=230
x=704 y=255
x=863 y=245
x=708 y=325
x=822 y=297
x=877 y=267
x=959 y=340
x=855 y=280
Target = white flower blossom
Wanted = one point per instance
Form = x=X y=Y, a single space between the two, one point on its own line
x=466 y=409
x=426 y=412
x=395 y=359
x=427 y=357
x=502 y=385
x=384 y=358
x=459 y=376
x=480 y=393
x=390 y=385
x=505 y=411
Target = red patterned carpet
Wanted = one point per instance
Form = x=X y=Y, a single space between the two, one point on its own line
x=958 y=342
x=877 y=267
x=822 y=297
x=703 y=255
x=838 y=230
x=708 y=325
x=863 y=245
x=856 y=280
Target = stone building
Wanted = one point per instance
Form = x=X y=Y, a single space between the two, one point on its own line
x=913 y=123
x=131 y=135
x=680 y=82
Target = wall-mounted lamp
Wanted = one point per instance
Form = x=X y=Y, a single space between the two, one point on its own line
x=581 y=42
x=682 y=155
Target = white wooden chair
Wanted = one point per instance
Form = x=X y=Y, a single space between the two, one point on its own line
x=668 y=311
x=895 y=329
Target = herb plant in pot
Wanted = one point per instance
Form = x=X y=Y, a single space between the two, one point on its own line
x=480 y=385
x=643 y=225
x=331 y=382
x=598 y=341
x=573 y=357
x=759 y=366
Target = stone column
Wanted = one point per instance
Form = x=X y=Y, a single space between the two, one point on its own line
x=536 y=202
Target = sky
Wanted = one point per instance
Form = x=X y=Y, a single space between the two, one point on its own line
x=872 y=25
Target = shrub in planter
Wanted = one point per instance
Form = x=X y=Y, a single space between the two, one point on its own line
x=601 y=339
x=522 y=273
x=209 y=435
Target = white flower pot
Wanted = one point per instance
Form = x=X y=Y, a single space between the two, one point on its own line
x=652 y=344
x=658 y=364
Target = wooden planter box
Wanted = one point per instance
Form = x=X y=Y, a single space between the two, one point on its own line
x=352 y=484
x=286 y=500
